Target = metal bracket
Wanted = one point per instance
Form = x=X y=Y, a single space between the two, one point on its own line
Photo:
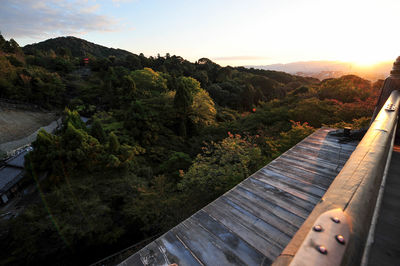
x=390 y=107
x=325 y=244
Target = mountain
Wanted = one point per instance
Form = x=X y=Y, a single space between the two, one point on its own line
x=331 y=69
x=77 y=47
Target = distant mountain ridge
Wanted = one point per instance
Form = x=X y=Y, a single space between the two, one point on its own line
x=330 y=69
x=77 y=47
x=308 y=66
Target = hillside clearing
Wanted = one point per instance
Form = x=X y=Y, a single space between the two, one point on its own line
x=17 y=124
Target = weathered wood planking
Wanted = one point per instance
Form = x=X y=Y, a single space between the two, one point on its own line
x=252 y=223
x=386 y=247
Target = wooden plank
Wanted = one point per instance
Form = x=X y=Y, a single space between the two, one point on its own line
x=279 y=198
x=255 y=239
x=274 y=235
x=267 y=206
x=320 y=181
x=279 y=193
x=303 y=186
x=325 y=154
x=205 y=245
x=152 y=255
x=313 y=142
x=263 y=214
x=345 y=148
x=306 y=173
x=322 y=135
x=334 y=163
x=330 y=157
x=329 y=139
x=331 y=164
x=132 y=260
x=175 y=250
x=314 y=168
x=269 y=180
x=237 y=245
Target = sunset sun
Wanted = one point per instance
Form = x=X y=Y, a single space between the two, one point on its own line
x=366 y=60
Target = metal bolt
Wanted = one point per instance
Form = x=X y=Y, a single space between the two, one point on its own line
x=340 y=239
x=322 y=250
x=335 y=220
x=317 y=228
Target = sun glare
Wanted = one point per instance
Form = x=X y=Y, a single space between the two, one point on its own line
x=365 y=61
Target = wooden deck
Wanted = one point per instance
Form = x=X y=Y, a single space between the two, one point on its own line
x=252 y=223
x=386 y=247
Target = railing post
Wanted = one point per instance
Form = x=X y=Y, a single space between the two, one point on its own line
x=391 y=83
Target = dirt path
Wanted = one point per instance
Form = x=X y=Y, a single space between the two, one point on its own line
x=18 y=128
x=12 y=145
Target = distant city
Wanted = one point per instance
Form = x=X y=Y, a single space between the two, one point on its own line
x=331 y=69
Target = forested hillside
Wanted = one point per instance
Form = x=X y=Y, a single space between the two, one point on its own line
x=166 y=137
x=72 y=46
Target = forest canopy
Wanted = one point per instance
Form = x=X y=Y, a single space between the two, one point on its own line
x=165 y=137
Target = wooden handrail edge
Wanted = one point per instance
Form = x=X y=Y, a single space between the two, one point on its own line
x=371 y=234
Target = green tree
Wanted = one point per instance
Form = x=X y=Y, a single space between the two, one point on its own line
x=133 y=62
x=202 y=112
x=141 y=122
x=314 y=111
x=202 y=77
x=176 y=162
x=2 y=42
x=73 y=118
x=97 y=131
x=183 y=99
x=114 y=143
x=345 y=89
x=12 y=47
x=297 y=133
x=149 y=82
x=220 y=167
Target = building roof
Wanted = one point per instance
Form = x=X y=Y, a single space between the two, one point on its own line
x=17 y=161
x=9 y=176
x=252 y=223
x=85 y=119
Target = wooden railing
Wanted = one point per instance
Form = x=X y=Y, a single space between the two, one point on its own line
x=336 y=231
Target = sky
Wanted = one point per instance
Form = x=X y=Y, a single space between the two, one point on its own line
x=229 y=32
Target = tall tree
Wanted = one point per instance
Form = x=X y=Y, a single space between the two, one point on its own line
x=114 y=143
x=182 y=102
x=97 y=131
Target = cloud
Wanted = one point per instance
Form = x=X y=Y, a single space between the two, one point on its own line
x=121 y=1
x=240 y=58
x=40 y=19
x=118 y=3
